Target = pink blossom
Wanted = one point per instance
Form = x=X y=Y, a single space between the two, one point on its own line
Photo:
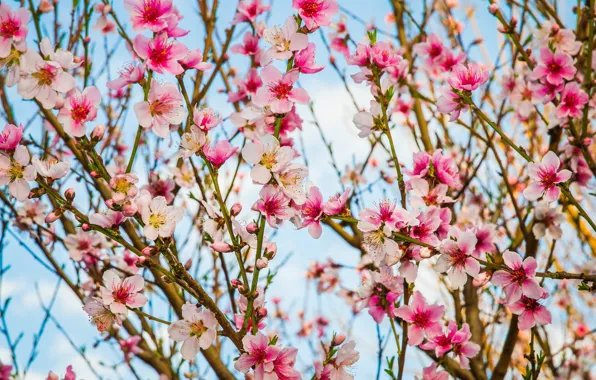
x=312 y=212
x=531 y=311
x=258 y=354
x=13 y=29
x=284 y=41
x=124 y=187
x=545 y=176
x=268 y=157
x=10 y=137
x=380 y=292
x=160 y=187
x=278 y=91
x=131 y=73
x=50 y=168
x=220 y=152
x=79 y=108
x=107 y=219
x=345 y=358
x=194 y=60
x=206 y=118
x=15 y=172
x=274 y=205
x=159 y=54
x=248 y=10
x=249 y=46
x=159 y=218
x=100 y=315
x=197 y=330
x=316 y=13
x=384 y=56
x=456 y=341
x=304 y=60
x=519 y=279
x=456 y=258
x=119 y=294
x=246 y=87
x=70 y=375
x=431 y=50
x=467 y=78
x=573 y=99
x=368 y=121
x=431 y=373
x=130 y=346
x=85 y=246
x=149 y=14
x=423 y=318
x=336 y=204
x=5 y=371
x=451 y=103
x=547 y=219
x=555 y=68
x=164 y=107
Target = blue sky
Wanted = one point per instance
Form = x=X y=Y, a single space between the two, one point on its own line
x=334 y=110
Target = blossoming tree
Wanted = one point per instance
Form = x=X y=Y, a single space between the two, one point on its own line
x=465 y=217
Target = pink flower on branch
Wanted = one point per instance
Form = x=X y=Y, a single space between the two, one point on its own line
x=161 y=55
x=118 y=294
x=10 y=137
x=149 y=14
x=531 y=311
x=274 y=205
x=197 y=330
x=164 y=107
x=13 y=29
x=278 y=91
x=316 y=13
x=519 y=279
x=79 y=108
x=545 y=176
x=423 y=318
x=555 y=68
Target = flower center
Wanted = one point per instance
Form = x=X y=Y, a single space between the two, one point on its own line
x=15 y=171
x=9 y=28
x=311 y=7
x=122 y=186
x=121 y=294
x=80 y=113
x=45 y=76
x=151 y=11
x=281 y=90
x=197 y=328
x=157 y=220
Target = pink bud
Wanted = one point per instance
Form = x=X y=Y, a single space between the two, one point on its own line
x=141 y=261
x=94 y=174
x=236 y=209
x=221 y=247
x=252 y=228
x=235 y=283
x=493 y=8
x=339 y=339
x=98 y=132
x=129 y=209
x=54 y=215
x=86 y=227
x=149 y=251
x=69 y=194
x=188 y=264
x=262 y=263
x=45 y=6
x=109 y=203
x=86 y=40
x=271 y=250
x=262 y=312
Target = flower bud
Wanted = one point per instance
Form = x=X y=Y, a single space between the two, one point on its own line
x=45 y=6
x=188 y=264
x=149 y=250
x=94 y=174
x=109 y=203
x=98 y=132
x=69 y=194
x=129 y=209
x=235 y=283
x=236 y=209
x=141 y=261
x=54 y=215
x=221 y=247
x=262 y=312
x=271 y=250
x=493 y=8
x=262 y=263
x=338 y=339
x=86 y=227
x=252 y=228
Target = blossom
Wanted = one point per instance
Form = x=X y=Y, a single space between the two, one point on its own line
x=316 y=13
x=274 y=205
x=345 y=358
x=284 y=40
x=457 y=258
x=531 y=311
x=519 y=279
x=220 y=152
x=51 y=168
x=164 y=107
x=258 y=354
x=79 y=108
x=107 y=219
x=573 y=99
x=555 y=67
x=13 y=29
x=547 y=219
x=149 y=14
x=197 y=330
x=159 y=218
x=278 y=90
x=70 y=375
x=267 y=156
x=10 y=137
x=249 y=46
x=206 y=118
x=421 y=317
x=366 y=121
x=246 y=87
x=431 y=50
x=194 y=60
x=45 y=79
x=192 y=142
x=30 y=212
x=545 y=176
x=456 y=341
x=15 y=172
x=336 y=204
x=451 y=103
x=384 y=56
x=131 y=73
x=130 y=346
x=304 y=60
x=124 y=187
x=161 y=55
x=84 y=245
x=119 y=293
x=312 y=212
x=467 y=78
x=248 y=10
x=160 y=187
x=380 y=292
x=100 y=315
x=184 y=176
x=431 y=373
